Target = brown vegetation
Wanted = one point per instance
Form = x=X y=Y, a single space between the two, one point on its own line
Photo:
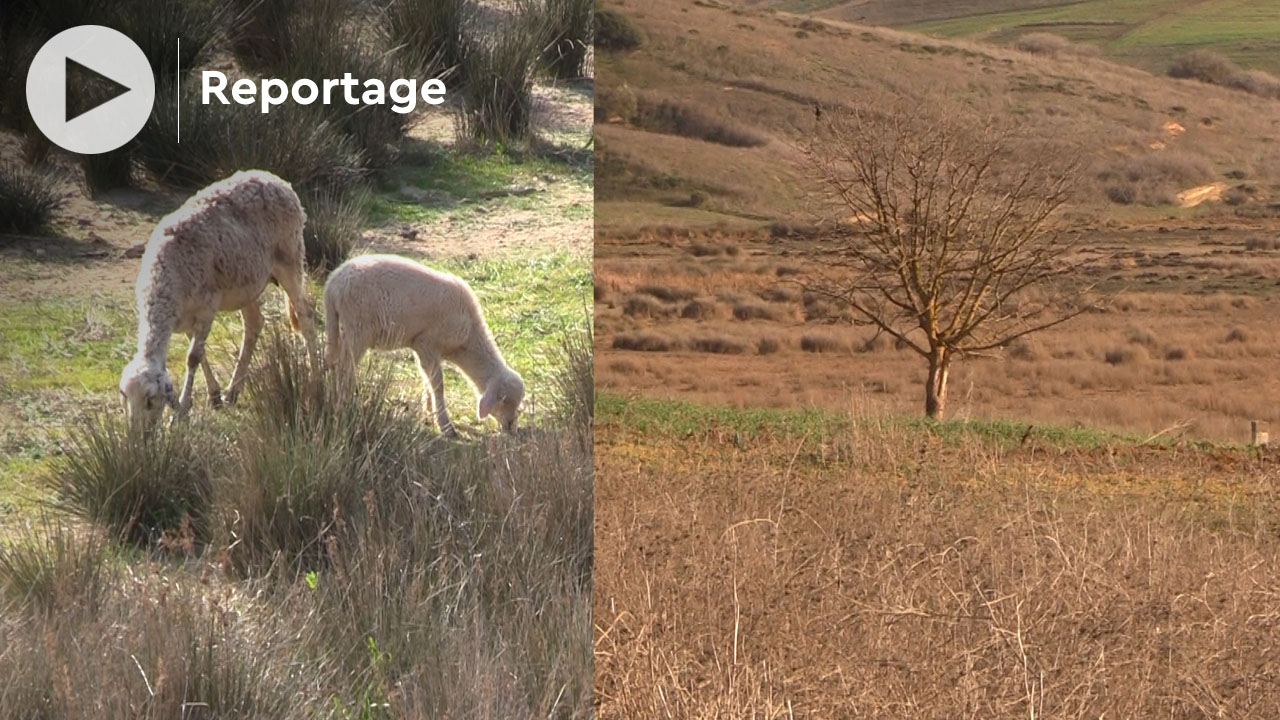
x=884 y=571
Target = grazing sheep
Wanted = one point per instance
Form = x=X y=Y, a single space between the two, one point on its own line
x=215 y=253
x=387 y=302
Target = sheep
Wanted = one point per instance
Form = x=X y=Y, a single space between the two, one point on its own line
x=215 y=253
x=388 y=302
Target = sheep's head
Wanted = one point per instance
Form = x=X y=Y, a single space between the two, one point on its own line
x=501 y=399
x=144 y=391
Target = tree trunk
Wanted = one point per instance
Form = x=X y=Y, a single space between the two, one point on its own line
x=935 y=395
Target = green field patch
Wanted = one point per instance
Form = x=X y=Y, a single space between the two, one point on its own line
x=684 y=419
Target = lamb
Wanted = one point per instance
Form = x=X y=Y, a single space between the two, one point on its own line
x=215 y=253
x=388 y=302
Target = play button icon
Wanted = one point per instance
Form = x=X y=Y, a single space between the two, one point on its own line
x=90 y=89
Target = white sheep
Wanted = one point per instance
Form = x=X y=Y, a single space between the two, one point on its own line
x=388 y=302
x=215 y=253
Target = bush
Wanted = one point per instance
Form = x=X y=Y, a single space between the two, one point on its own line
x=575 y=381
x=668 y=116
x=1042 y=43
x=141 y=488
x=753 y=311
x=572 y=33
x=1153 y=179
x=615 y=31
x=497 y=95
x=334 y=219
x=28 y=199
x=615 y=101
x=1205 y=66
x=429 y=34
x=822 y=344
x=767 y=346
x=1255 y=82
x=718 y=345
x=643 y=342
x=293 y=141
x=667 y=293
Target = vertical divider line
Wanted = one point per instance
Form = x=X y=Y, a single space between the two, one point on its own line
x=177 y=96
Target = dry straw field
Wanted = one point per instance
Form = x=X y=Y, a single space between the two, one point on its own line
x=1086 y=534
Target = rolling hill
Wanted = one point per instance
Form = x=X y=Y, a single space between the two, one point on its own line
x=1145 y=33
x=702 y=123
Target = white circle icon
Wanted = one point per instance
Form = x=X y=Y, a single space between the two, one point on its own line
x=124 y=89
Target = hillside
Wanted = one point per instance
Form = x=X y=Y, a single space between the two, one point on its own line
x=1146 y=34
x=749 y=80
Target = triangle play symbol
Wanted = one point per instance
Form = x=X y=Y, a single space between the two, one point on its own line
x=114 y=88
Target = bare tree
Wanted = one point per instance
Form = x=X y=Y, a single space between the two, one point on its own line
x=945 y=237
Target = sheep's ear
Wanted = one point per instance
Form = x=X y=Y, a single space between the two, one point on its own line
x=486 y=406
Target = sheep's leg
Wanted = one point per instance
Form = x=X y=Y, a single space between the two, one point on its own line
x=253 y=324
x=211 y=382
x=433 y=379
x=195 y=356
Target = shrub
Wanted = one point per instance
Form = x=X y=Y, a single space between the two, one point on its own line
x=643 y=342
x=615 y=101
x=669 y=116
x=1255 y=82
x=768 y=346
x=700 y=310
x=139 y=487
x=156 y=25
x=1205 y=66
x=497 y=95
x=615 y=31
x=667 y=293
x=1128 y=355
x=429 y=33
x=334 y=218
x=1042 y=43
x=1154 y=178
x=822 y=344
x=28 y=198
x=293 y=141
x=1237 y=335
x=719 y=345
x=1253 y=242
x=572 y=34
x=644 y=306
x=753 y=311
x=575 y=380
x=1176 y=353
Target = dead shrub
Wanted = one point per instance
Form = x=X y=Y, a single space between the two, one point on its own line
x=787 y=270
x=699 y=249
x=1042 y=43
x=1254 y=243
x=1153 y=179
x=718 y=345
x=666 y=293
x=754 y=311
x=700 y=310
x=1237 y=335
x=767 y=346
x=645 y=306
x=1026 y=349
x=1176 y=353
x=1142 y=336
x=672 y=117
x=1204 y=65
x=822 y=344
x=1129 y=355
x=778 y=294
x=644 y=342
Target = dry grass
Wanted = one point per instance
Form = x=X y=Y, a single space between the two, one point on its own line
x=1189 y=335
x=878 y=569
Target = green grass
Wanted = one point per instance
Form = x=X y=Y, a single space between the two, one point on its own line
x=62 y=358
x=463 y=183
x=1149 y=33
x=684 y=419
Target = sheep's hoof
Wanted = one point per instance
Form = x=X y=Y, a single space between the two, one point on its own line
x=215 y=399
x=231 y=396
x=450 y=432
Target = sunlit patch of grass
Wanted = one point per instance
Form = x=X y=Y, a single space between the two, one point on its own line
x=464 y=183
